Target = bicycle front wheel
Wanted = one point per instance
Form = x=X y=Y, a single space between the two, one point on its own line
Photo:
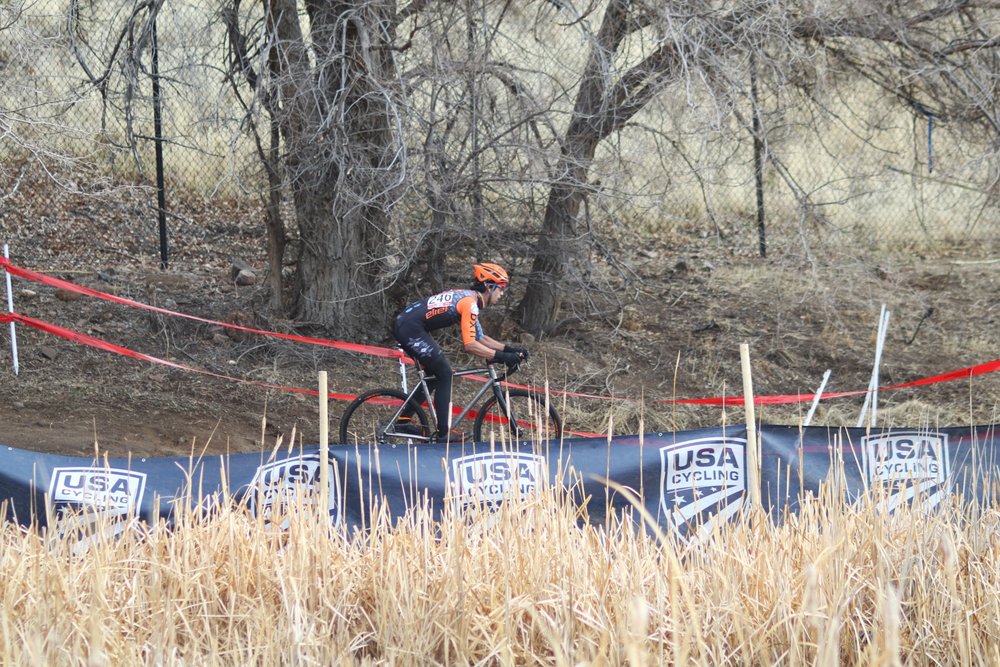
x=375 y=417
x=528 y=420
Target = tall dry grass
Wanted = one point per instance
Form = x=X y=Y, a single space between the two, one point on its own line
x=535 y=583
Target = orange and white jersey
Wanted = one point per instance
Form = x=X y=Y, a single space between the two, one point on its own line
x=457 y=306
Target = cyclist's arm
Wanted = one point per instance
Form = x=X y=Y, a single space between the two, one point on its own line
x=473 y=339
x=485 y=347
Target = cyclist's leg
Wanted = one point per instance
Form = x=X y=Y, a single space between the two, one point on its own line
x=442 y=392
x=415 y=340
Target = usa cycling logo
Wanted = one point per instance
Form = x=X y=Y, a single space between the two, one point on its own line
x=292 y=482
x=702 y=481
x=908 y=464
x=105 y=488
x=491 y=477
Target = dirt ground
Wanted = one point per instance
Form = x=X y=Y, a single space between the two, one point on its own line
x=691 y=302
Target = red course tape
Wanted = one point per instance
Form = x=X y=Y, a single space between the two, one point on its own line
x=90 y=341
x=28 y=274
x=384 y=352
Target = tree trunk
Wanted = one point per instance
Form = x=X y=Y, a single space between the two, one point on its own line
x=542 y=299
x=606 y=100
x=337 y=283
x=589 y=124
x=276 y=238
x=341 y=156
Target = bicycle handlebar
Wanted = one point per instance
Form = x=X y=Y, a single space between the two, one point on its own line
x=501 y=375
x=509 y=370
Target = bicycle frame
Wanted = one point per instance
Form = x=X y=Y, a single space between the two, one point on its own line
x=493 y=383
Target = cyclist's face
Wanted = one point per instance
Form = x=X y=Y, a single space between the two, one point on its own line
x=497 y=291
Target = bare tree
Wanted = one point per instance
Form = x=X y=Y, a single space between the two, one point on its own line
x=603 y=105
x=448 y=124
x=478 y=135
x=31 y=115
x=939 y=55
x=339 y=118
x=328 y=83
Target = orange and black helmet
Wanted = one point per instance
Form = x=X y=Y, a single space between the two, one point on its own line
x=488 y=273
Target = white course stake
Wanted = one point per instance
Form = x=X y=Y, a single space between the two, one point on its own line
x=10 y=309
x=871 y=398
x=402 y=374
x=880 y=346
x=819 y=393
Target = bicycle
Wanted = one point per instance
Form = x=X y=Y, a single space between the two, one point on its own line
x=509 y=414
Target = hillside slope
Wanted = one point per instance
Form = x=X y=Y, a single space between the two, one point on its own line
x=690 y=303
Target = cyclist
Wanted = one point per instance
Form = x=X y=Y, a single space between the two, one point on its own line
x=458 y=306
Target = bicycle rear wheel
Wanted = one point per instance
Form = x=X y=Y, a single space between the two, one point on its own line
x=372 y=417
x=529 y=419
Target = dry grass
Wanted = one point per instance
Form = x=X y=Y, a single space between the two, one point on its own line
x=534 y=583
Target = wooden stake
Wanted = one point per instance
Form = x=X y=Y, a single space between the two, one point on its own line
x=324 y=446
x=753 y=453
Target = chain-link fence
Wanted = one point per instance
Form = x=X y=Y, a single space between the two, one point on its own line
x=853 y=166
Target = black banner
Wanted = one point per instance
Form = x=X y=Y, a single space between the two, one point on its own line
x=685 y=481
